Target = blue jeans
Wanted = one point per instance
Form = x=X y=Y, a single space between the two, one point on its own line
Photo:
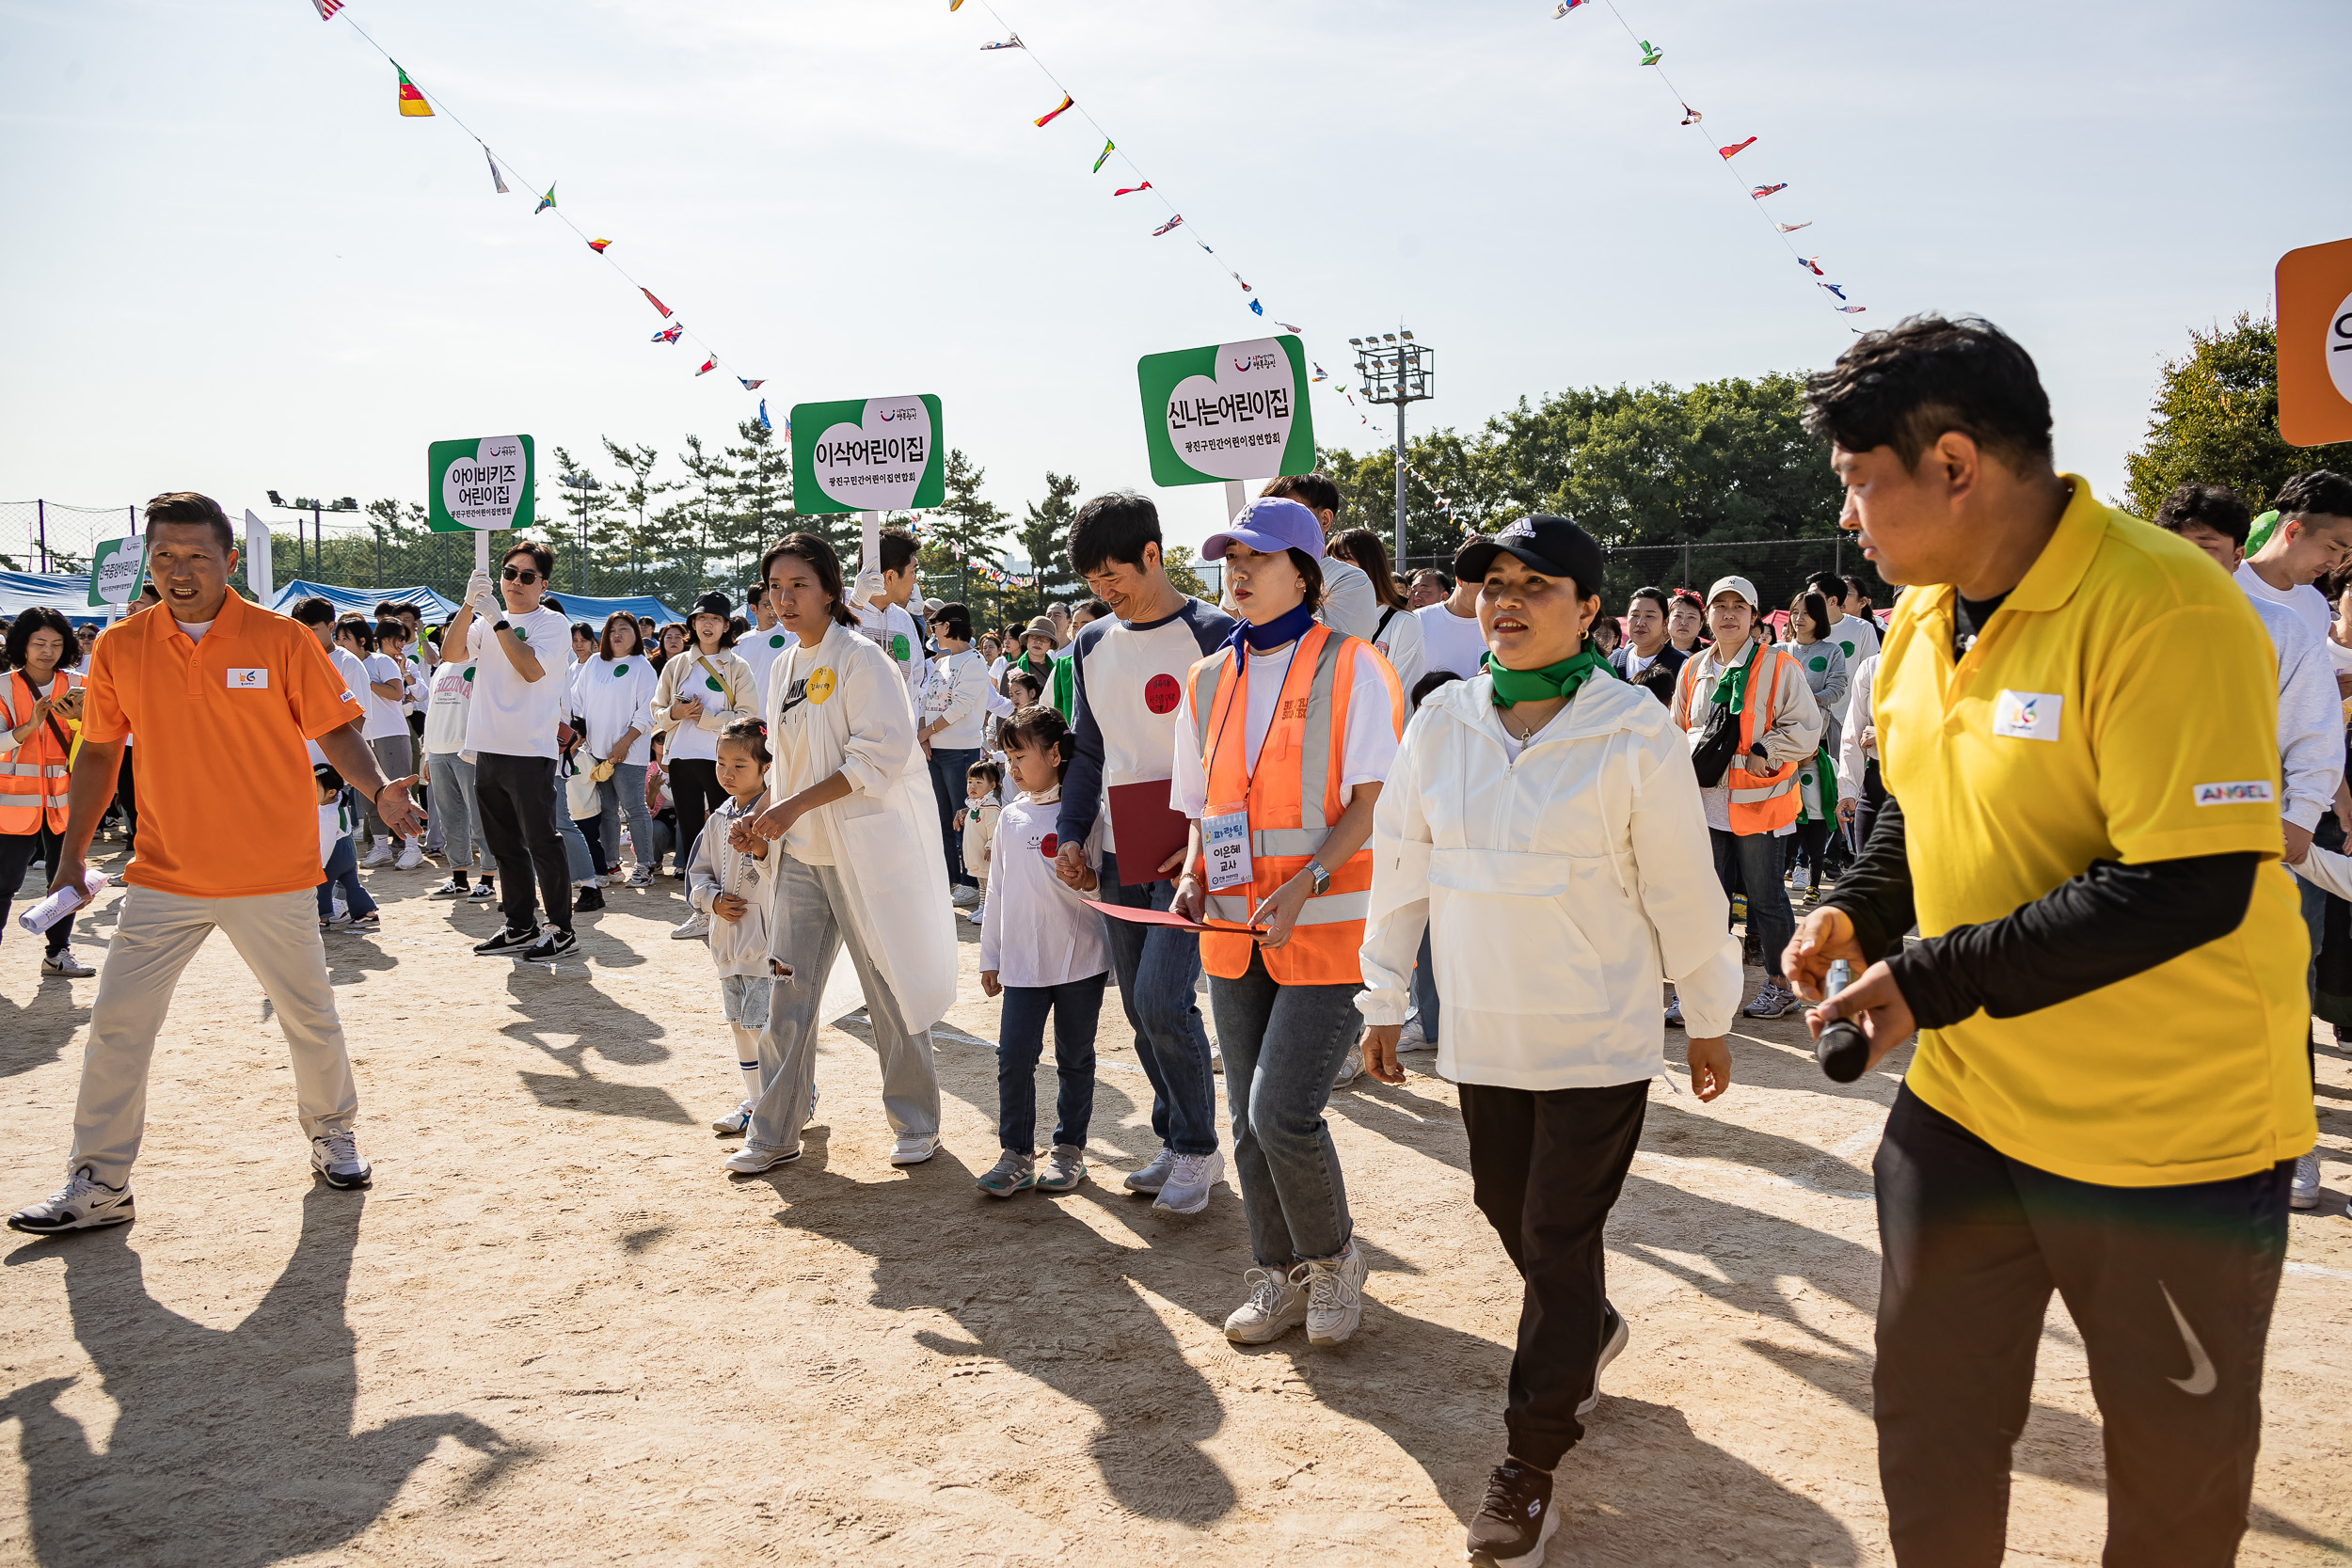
x=947 y=767
x=624 y=796
x=1076 y=1004
x=575 y=857
x=1426 y=991
x=453 y=811
x=342 y=871
x=1155 y=966
x=1282 y=1047
x=1755 y=858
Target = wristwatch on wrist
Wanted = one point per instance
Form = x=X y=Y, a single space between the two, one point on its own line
x=502 y=624
x=1322 y=878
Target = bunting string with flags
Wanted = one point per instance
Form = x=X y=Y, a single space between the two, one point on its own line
x=414 y=101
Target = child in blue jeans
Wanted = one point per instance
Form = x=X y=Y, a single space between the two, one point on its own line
x=1042 y=950
x=339 y=859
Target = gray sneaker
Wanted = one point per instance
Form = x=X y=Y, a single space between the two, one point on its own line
x=1153 y=1175
x=1011 y=1173
x=1064 y=1168
x=1335 y=1295
x=2304 y=1193
x=1276 y=1304
x=1772 y=1001
x=83 y=1203
x=1189 y=1178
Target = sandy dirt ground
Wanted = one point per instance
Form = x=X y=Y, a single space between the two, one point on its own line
x=556 y=1332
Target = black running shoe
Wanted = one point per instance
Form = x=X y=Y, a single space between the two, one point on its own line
x=590 y=900
x=1613 y=1337
x=513 y=939
x=557 y=944
x=1512 y=1524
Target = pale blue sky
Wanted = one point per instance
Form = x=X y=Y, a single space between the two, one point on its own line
x=234 y=266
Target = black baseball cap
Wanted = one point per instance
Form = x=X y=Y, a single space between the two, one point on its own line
x=715 y=603
x=1553 y=545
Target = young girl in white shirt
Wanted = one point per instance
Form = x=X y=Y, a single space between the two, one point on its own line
x=1042 y=950
x=733 y=887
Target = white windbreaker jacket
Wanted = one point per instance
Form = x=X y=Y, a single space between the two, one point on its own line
x=1558 y=890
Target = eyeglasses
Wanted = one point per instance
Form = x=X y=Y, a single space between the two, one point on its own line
x=523 y=575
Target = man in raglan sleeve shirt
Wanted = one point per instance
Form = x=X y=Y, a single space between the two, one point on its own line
x=1128 y=674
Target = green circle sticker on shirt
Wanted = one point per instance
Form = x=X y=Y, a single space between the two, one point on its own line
x=1819 y=664
x=899 y=647
x=712 y=682
x=469 y=671
x=620 y=667
x=775 y=640
x=1805 y=778
x=523 y=634
x=1849 y=647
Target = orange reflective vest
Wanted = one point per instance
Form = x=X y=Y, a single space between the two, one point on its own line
x=33 y=777
x=1292 y=799
x=1764 y=798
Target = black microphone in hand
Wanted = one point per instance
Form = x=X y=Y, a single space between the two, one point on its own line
x=1842 y=1050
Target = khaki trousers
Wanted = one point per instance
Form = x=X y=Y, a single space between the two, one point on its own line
x=277 y=934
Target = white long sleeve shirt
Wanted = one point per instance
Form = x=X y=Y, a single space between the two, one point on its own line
x=1851 y=754
x=957 y=697
x=1034 y=929
x=612 y=697
x=2311 y=719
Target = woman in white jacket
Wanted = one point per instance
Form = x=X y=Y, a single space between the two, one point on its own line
x=613 y=692
x=1542 y=823
x=853 y=808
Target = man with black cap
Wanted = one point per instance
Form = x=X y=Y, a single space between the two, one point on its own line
x=510 y=727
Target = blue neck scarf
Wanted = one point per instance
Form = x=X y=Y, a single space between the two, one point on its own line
x=1287 y=628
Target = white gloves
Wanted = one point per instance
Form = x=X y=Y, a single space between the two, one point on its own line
x=867 y=591
x=478 y=594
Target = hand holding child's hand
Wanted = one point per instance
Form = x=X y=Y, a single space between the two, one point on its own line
x=728 y=907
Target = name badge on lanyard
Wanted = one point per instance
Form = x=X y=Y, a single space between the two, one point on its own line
x=1225 y=844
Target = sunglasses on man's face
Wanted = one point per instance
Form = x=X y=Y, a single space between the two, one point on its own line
x=523 y=575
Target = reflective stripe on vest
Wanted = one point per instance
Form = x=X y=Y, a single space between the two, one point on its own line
x=1298 y=807
x=1763 y=800
x=33 y=794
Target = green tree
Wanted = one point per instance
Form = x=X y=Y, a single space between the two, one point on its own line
x=2215 y=422
x=760 y=496
x=630 y=538
x=586 y=540
x=1044 y=536
x=693 y=526
x=1183 y=570
x=965 y=531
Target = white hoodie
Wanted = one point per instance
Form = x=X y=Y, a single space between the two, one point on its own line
x=1558 y=887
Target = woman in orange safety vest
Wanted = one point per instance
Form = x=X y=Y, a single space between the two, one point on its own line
x=41 y=706
x=1282 y=739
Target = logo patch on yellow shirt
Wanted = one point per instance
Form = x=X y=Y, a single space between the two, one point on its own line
x=2027 y=714
x=2247 y=792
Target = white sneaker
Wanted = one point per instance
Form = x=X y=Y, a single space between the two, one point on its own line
x=1351 y=1067
x=380 y=855
x=735 y=1123
x=1335 y=1295
x=2304 y=1193
x=1613 y=1337
x=695 y=925
x=83 y=1203
x=914 y=1149
x=751 y=1159
x=640 y=876
x=976 y=913
x=411 y=856
x=1153 y=1174
x=484 y=893
x=1186 y=1189
x=964 y=897
x=1276 y=1304
x=336 y=1157
x=63 y=962
x=1412 y=1039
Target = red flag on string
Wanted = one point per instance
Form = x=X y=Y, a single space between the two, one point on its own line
x=1735 y=147
x=1047 y=117
x=709 y=365
x=655 y=303
x=1130 y=190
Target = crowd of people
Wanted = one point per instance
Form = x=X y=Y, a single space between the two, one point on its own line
x=1472 y=812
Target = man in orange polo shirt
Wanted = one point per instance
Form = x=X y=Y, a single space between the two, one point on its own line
x=223 y=695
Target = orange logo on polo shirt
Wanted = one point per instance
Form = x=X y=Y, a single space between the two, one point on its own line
x=2027 y=714
x=251 y=680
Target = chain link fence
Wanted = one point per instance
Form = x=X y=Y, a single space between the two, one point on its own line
x=50 y=536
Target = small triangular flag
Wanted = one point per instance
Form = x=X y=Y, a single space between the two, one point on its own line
x=597 y=245
x=1735 y=148
x=709 y=365
x=763 y=415
x=495 y=178
x=411 y=100
x=754 y=387
x=1048 y=116
x=1130 y=190
x=647 y=292
x=548 y=201
x=1103 y=157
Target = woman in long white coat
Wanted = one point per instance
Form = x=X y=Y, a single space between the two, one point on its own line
x=1542 y=823
x=850 y=799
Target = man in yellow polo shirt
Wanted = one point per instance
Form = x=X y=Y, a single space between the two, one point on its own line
x=223 y=694
x=2075 y=718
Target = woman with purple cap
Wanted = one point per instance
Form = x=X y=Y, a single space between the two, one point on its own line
x=1543 y=824
x=1283 y=736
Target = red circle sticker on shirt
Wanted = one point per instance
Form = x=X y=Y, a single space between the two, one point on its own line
x=1049 y=846
x=1161 y=692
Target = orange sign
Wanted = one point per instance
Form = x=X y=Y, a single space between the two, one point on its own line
x=2316 y=345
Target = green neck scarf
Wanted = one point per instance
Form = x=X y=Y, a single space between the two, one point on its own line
x=1513 y=686
x=1733 y=688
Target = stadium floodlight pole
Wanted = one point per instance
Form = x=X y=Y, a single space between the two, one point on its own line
x=317 y=530
x=1395 y=369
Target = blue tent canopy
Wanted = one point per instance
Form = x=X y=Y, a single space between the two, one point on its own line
x=65 y=592
x=435 y=608
x=579 y=607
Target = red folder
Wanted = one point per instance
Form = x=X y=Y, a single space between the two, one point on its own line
x=1163 y=917
x=1145 y=832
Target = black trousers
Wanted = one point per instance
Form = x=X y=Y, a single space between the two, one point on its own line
x=695 y=790
x=1546 y=1168
x=514 y=797
x=127 y=798
x=17 y=851
x=2172 y=1289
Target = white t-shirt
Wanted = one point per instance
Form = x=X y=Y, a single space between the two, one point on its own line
x=1449 y=642
x=760 y=650
x=894 y=631
x=509 y=716
x=2305 y=600
x=195 y=630
x=612 y=695
x=1400 y=643
x=1349 y=605
x=1855 y=636
x=445 y=706
x=355 y=676
x=1365 y=752
x=1034 y=929
x=386 y=715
